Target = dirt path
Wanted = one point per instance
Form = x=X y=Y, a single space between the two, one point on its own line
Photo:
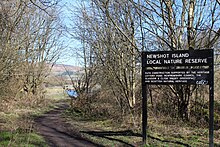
x=57 y=132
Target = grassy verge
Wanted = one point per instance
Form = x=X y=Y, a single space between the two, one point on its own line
x=160 y=133
x=21 y=138
x=16 y=122
x=102 y=131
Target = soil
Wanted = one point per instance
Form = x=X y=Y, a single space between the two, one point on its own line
x=57 y=132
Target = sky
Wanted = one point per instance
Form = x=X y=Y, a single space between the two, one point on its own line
x=69 y=56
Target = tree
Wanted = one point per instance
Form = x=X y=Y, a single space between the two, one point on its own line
x=29 y=37
x=108 y=51
x=116 y=32
x=178 y=25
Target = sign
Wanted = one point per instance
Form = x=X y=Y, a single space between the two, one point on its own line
x=178 y=67
x=178 y=58
x=178 y=76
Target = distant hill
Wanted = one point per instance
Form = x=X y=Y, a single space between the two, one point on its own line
x=61 y=69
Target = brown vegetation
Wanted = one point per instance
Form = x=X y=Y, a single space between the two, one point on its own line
x=114 y=33
x=29 y=41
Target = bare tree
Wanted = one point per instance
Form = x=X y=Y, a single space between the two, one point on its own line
x=29 y=41
x=180 y=25
x=114 y=33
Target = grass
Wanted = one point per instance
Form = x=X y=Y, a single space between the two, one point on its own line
x=162 y=131
x=16 y=129
x=16 y=122
x=20 y=138
x=55 y=93
x=160 y=134
x=104 y=132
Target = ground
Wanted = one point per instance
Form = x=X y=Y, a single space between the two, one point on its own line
x=57 y=132
x=62 y=126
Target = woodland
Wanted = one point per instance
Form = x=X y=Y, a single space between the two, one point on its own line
x=112 y=36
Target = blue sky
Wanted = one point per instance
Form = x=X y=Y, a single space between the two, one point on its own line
x=69 y=56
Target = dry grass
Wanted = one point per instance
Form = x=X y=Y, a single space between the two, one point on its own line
x=15 y=113
x=16 y=118
x=163 y=130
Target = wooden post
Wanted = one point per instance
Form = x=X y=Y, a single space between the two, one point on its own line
x=211 y=105
x=144 y=102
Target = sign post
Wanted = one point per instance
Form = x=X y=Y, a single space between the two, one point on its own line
x=144 y=101
x=192 y=67
x=211 y=105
